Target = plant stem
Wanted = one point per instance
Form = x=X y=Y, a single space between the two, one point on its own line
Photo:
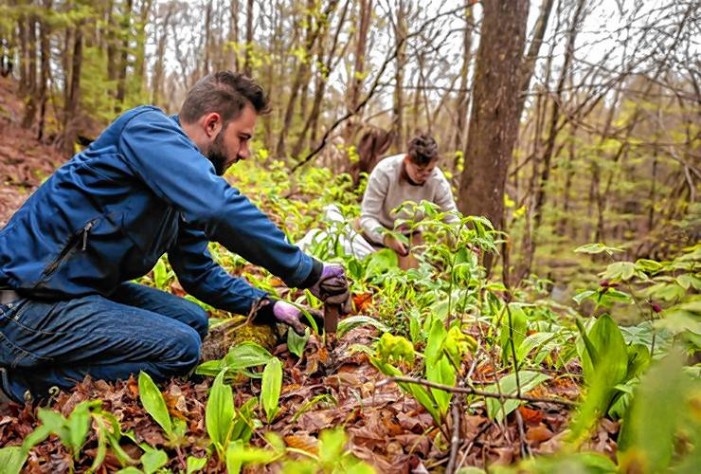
x=481 y=393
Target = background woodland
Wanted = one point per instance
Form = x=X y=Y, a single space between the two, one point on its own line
x=562 y=121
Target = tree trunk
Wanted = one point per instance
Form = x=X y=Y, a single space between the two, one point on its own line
x=365 y=16
x=494 y=120
x=247 y=66
x=70 y=131
x=463 y=99
x=31 y=91
x=234 y=35
x=45 y=70
x=125 y=31
x=398 y=103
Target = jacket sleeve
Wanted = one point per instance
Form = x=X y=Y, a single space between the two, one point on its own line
x=204 y=279
x=158 y=152
x=371 y=207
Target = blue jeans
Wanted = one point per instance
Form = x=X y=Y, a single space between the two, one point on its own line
x=58 y=343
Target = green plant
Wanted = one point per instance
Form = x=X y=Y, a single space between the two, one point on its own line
x=154 y=403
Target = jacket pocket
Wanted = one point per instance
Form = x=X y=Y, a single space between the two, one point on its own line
x=78 y=240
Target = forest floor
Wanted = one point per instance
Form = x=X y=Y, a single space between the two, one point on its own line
x=321 y=390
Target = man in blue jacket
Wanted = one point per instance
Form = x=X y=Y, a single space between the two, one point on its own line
x=149 y=185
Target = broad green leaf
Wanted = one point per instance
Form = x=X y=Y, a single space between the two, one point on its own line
x=349 y=323
x=271 y=387
x=331 y=444
x=195 y=464
x=507 y=385
x=689 y=281
x=153 y=460
x=604 y=368
x=517 y=330
x=12 y=458
x=380 y=262
x=648 y=266
x=579 y=297
x=245 y=355
x=130 y=470
x=647 y=438
x=620 y=271
x=78 y=426
x=219 y=413
x=55 y=423
x=153 y=402
x=597 y=248
x=297 y=343
x=237 y=454
x=693 y=306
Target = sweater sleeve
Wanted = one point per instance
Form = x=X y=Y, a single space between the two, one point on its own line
x=156 y=150
x=371 y=207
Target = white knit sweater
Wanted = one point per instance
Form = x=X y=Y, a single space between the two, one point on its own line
x=387 y=189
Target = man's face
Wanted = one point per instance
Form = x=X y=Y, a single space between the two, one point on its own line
x=418 y=174
x=232 y=142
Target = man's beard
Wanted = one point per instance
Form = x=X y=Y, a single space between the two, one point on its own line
x=216 y=154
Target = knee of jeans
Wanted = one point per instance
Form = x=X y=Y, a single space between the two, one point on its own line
x=187 y=346
x=197 y=318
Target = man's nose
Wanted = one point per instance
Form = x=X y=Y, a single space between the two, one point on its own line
x=244 y=152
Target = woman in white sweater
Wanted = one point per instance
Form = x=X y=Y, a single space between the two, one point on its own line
x=413 y=177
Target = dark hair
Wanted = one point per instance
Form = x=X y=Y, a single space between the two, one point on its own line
x=422 y=149
x=226 y=93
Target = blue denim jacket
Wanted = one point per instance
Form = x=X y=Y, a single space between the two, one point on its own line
x=140 y=190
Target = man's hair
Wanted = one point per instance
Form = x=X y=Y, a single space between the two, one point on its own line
x=226 y=93
x=422 y=149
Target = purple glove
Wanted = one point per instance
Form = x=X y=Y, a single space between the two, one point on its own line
x=289 y=314
x=332 y=287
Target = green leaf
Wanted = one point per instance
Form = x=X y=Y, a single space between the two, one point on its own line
x=331 y=444
x=349 y=323
x=271 y=387
x=219 y=413
x=588 y=294
x=380 y=262
x=130 y=470
x=237 y=455
x=78 y=426
x=648 y=266
x=647 y=438
x=195 y=464
x=689 y=281
x=152 y=400
x=517 y=330
x=597 y=248
x=297 y=343
x=605 y=365
x=153 y=460
x=507 y=385
x=620 y=271
x=12 y=458
x=245 y=355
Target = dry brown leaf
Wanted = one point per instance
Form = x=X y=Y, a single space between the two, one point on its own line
x=303 y=442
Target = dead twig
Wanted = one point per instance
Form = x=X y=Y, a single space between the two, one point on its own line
x=481 y=393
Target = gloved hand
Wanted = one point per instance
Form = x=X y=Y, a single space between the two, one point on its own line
x=332 y=287
x=284 y=312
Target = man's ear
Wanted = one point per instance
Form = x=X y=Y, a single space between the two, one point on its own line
x=212 y=124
